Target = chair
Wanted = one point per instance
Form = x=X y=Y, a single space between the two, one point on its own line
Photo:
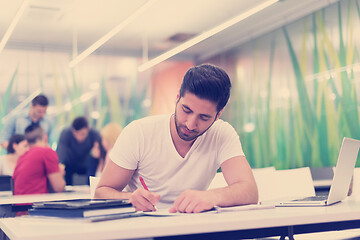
x=6 y=183
x=275 y=184
x=80 y=179
x=285 y=184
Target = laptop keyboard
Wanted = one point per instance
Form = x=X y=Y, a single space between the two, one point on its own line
x=313 y=198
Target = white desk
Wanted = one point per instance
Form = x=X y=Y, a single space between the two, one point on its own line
x=75 y=192
x=229 y=225
x=8 y=202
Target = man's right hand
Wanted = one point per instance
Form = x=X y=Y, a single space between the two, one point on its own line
x=95 y=151
x=144 y=200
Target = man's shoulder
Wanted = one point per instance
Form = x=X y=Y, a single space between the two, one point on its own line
x=148 y=126
x=219 y=124
x=151 y=120
x=66 y=130
x=94 y=131
x=46 y=119
x=24 y=114
x=221 y=128
x=41 y=150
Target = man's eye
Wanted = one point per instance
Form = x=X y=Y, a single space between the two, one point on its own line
x=204 y=119
x=186 y=110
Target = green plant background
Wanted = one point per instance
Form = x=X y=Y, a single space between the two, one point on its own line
x=294 y=97
x=295 y=92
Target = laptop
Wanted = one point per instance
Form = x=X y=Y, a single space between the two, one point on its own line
x=341 y=181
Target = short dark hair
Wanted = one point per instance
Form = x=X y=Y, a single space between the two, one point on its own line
x=40 y=100
x=80 y=123
x=208 y=82
x=17 y=138
x=33 y=133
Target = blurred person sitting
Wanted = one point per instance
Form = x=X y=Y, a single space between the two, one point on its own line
x=109 y=135
x=17 y=147
x=38 y=170
x=17 y=122
x=75 y=149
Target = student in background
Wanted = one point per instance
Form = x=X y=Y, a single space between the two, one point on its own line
x=109 y=134
x=17 y=147
x=75 y=149
x=178 y=154
x=38 y=170
x=17 y=123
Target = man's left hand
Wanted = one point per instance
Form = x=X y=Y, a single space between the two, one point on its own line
x=192 y=201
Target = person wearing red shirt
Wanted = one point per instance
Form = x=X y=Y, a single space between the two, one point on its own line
x=38 y=170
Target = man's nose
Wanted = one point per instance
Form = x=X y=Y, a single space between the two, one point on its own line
x=191 y=123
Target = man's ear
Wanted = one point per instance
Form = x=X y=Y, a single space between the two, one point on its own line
x=218 y=114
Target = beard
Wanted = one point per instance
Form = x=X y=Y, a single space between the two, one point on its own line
x=193 y=134
x=186 y=137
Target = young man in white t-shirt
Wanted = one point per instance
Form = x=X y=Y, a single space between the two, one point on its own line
x=178 y=155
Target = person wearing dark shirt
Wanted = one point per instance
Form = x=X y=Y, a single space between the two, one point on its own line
x=75 y=149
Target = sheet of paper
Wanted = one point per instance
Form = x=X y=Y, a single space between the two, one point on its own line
x=245 y=207
x=163 y=212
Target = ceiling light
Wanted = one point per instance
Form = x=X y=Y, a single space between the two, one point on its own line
x=13 y=24
x=112 y=33
x=205 y=35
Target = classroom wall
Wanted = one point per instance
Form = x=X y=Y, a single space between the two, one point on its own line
x=102 y=88
x=294 y=96
x=296 y=90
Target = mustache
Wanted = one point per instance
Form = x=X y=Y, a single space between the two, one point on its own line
x=192 y=131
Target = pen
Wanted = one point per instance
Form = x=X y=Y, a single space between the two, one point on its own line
x=145 y=187
x=143 y=183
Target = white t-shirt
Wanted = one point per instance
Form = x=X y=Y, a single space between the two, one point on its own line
x=146 y=146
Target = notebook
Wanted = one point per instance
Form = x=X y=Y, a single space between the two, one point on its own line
x=82 y=203
x=341 y=181
x=81 y=208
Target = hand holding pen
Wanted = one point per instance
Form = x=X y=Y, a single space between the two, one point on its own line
x=144 y=200
x=143 y=183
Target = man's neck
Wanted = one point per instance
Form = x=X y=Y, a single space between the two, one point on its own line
x=34 y=120
x=32 y=117
x=37 y=144
x=181 y=146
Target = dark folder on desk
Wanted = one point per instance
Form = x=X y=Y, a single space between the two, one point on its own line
x=82 y=208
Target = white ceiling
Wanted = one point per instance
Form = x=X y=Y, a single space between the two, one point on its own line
x=51 y=24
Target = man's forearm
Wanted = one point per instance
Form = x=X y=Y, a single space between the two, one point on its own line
x=111 y=193
x=240 y=193
x=57 y=182
x=59 y=186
